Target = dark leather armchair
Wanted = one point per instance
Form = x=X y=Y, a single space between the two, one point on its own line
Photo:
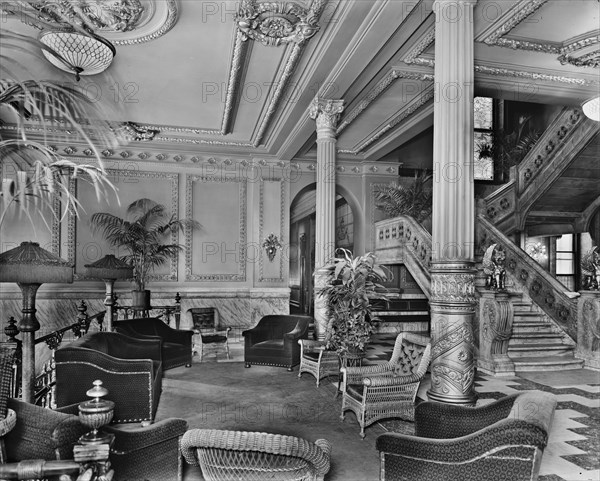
x=502 y=441
x=130 y=369
x=274 y=340
x=176 y=343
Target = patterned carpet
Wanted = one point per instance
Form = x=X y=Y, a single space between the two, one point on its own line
x=573 y=452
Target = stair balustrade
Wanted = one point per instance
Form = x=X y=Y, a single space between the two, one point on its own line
x=552 y=154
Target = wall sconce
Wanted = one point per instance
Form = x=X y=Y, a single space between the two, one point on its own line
x=270 y=245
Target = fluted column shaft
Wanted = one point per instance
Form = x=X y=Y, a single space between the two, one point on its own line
x=452 y=275
x=326 y=114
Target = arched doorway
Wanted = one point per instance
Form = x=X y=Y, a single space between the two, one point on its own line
x=302 y=242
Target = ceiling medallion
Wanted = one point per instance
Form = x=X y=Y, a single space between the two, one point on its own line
x=274 y=23
x=113 y=16
x=121 y=22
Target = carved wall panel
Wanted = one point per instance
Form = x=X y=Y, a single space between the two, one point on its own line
x=85 y=247
x=272 y=219
x=218 y=251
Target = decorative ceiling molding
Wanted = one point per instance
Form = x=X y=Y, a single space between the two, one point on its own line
x=496 y=34
x=414 y=54
x=274 y=23
x=408 y=110
x=519 y=12
x=591 y=59
x=379 y=89
x=504 y=72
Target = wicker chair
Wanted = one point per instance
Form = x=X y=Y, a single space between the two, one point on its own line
x=501 y=441
x=317 y=360
x=387 y=390
x=252 y=456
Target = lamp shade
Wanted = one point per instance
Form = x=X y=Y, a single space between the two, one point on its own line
x=30 y=264
x=591 y=109
x=80 y=53
x=109 y=267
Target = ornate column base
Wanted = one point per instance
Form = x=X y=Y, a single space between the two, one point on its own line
x=452 y=311
x=588 y=329
x=496 y=319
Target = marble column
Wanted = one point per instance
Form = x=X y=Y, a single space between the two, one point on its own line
x=326 y=113
x=452 y=269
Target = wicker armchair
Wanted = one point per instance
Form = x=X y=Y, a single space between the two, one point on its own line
x=176 y=347
x=501 y=441
x=41 y=433
x=317 y=360
x=130 y=368
x=387 y=390
x=252 y=456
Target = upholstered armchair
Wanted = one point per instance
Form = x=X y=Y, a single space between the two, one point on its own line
x=130 y=369
x=274 y=340
x=501 y=441
x=176 y=349
x=387 y=390
x=137 y=453
x=317 y=360
x=41 y=433
x=226 y=455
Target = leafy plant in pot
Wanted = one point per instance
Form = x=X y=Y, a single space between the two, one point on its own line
x=142 y=234
x=354 y=282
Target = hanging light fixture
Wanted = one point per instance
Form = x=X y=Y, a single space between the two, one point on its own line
x=591 y=108
x=78 y=52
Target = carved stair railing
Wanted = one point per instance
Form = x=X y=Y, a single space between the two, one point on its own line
x=553 y=153
x=45 y=380
x=402 y=240
x=548 y=293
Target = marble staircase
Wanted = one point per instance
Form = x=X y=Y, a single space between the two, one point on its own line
x=536 y=344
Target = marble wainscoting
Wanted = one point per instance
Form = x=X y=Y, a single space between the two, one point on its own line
x=239 y=308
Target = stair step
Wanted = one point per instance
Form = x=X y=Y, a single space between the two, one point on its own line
x=534 y=338
x=538 y=350
x=548 y=363
x=521 y=331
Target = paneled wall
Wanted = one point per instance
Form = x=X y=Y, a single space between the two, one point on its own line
x=238 y=201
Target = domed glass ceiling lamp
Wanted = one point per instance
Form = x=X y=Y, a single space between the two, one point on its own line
x=77 y=52
x=591 y=109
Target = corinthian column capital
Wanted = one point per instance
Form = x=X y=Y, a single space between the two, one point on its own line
x=326 y=112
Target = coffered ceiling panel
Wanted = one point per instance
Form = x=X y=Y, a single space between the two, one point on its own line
x=558 y=21
x=239 y=76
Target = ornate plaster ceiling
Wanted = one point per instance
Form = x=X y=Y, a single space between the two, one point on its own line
x=238 y=77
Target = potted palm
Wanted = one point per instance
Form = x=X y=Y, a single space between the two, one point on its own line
x=413 y=199
x=142 y=234
x=353 y=284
